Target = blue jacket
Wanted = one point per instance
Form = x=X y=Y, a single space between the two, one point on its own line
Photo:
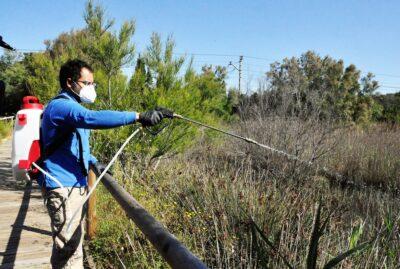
x=62 y=114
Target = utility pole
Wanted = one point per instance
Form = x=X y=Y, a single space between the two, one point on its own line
x=239 y=69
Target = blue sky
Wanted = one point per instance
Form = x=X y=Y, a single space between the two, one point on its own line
x=365 y=33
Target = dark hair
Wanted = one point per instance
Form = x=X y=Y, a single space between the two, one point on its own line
x=72 y=69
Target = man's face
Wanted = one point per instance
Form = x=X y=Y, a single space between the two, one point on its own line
x=85 y=79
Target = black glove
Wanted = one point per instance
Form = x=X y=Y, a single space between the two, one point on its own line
x=150 y=118
x=169 y=114
x=101 y=167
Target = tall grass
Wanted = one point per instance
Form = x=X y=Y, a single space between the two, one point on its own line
x=369 y=155
x=239 y=207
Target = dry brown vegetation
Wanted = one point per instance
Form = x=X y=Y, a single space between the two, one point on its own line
x=370 y=156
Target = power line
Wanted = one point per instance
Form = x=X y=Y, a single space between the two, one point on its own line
x=207 y=54
x=387 y=75
x=259 y=58
x=390 y=86
x=230 y=71
x=210 y=62
x=181 y=53
x=223 y=55
x=257 y=65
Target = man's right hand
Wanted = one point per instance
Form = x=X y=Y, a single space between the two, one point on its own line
x=167 y=113
x=150 y=118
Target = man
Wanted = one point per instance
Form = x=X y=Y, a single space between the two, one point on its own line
x=67 y=120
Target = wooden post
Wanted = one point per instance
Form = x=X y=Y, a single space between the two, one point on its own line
x=91 y=214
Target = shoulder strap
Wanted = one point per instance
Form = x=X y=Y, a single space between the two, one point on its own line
x=59 y=139
x=81 y=163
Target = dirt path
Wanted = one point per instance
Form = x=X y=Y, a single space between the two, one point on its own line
x=25 y=238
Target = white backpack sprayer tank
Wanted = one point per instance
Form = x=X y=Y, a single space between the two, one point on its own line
x=26 y=137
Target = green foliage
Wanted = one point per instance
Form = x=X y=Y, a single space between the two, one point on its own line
x=156 y=81
x=42 y=76
x=43 y=68
x=322 y=86
x=13 y=74
x=107 y=50
x=390 y=107
x=233 y=102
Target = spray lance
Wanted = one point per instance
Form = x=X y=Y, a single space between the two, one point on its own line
x=323 y=170
x=171 y=115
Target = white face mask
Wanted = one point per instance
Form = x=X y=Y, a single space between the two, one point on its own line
x=88 y=94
